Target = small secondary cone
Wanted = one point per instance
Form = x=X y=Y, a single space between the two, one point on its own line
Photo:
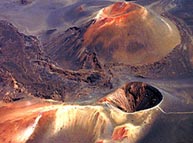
x=128 y=33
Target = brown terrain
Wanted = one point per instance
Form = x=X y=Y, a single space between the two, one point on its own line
x=122 y=73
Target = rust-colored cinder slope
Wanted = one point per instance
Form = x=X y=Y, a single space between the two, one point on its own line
x=124 y=30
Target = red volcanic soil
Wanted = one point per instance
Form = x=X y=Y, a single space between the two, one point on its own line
x=88 y=61
x=123 y=31
x=90 y=71
x=123 y=37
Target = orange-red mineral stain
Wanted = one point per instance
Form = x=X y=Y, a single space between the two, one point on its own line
x=129 y=33
x=119 y=133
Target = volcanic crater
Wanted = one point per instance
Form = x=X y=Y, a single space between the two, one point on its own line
x=109 y=79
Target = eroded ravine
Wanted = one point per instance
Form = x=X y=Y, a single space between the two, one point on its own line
x=123 y=74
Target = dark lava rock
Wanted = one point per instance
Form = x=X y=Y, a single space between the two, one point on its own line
x=144 y=95
x=22 y=58
x=64 y=69
x=10 y=89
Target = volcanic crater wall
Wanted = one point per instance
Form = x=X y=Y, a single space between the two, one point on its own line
x=123 y=76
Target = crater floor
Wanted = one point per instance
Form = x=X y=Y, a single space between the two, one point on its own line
x=103 y=71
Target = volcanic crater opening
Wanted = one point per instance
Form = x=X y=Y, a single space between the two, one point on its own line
x=134 y=96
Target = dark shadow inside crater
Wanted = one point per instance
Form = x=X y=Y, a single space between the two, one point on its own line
x=134 y=96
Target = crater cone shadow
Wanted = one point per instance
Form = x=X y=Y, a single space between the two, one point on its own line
x=134 y=96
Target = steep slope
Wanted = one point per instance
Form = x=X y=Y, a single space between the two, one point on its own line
x=124 y=35
x=123 y=31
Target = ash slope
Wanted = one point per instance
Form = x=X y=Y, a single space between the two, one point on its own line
x=65 y=64
x=28 y=69
x=141 y=51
